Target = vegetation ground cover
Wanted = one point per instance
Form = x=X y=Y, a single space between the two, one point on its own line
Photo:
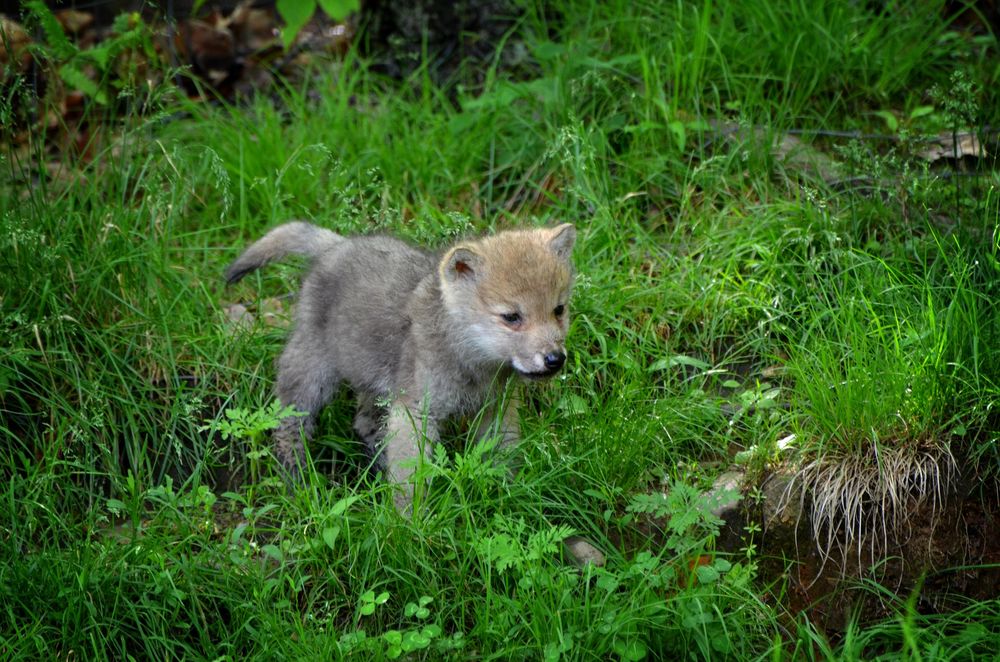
x=731 y=294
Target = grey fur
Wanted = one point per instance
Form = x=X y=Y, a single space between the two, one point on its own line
x=296 y=237
x=372 y=313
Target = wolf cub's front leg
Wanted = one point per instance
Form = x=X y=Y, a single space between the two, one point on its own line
x=510 y=425
x=409 y=439
x=507 y=426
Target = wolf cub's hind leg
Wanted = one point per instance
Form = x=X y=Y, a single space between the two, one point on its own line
x=306 y=380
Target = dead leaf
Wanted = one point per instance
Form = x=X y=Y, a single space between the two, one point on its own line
x=806 y=158
x=74 y=21
x=272 y=312
x=953 y=146
x=254 y=29
x=238 y=318
x=787 y=148
x=14 y=42
x=205 y=45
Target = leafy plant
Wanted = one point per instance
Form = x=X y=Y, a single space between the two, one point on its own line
x=688 y=514
x=296 y=13
x=394 y=643
x=250 y=426
x=129 y=33
x=515 y=547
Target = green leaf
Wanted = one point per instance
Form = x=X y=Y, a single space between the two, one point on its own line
x=274 y=552
x=338 y=10
x=633 y=650
x=78 y=80
x=352 y=639
x=676 y=360
x=614 y=63
x=680 y=133
x=573 y=404
x=548 y=50
x=707 y=574
x=721 y=643
x=341 y=506
x=101 y=55
x=413 y=609
x=330 y=535
x=698 y=620
x=295 y=13
x=643 y=127
x=890 y=120
x=607 y=583
x=921 y=111
x=55 y=37
x=414 y=640
x=367 y=602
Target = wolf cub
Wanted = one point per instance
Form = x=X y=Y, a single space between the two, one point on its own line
x=420 y=337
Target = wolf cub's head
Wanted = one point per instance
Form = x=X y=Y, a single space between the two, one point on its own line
x=509 y=296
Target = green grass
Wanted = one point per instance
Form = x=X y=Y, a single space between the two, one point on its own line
x=713 y=274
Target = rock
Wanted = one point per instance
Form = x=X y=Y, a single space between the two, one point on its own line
x=725 y=494
x=782 y=505
x=238 y=318
x=724 y=501
x=583 y=553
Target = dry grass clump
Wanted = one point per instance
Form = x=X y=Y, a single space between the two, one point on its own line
x=862 y=504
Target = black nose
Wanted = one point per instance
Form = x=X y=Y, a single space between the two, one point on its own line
x=554 y=360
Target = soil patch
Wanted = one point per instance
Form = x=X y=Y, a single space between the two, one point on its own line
x=946 y=552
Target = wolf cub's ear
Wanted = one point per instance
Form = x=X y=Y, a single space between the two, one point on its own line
x=562 y=240
x=461 y=264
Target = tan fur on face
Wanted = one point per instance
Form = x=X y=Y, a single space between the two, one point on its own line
x=519 y=263
x=527 y=272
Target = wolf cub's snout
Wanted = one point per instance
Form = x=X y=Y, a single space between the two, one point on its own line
x=434 y=335
x=554 y=360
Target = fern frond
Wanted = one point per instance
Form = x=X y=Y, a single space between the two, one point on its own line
x=55 y=37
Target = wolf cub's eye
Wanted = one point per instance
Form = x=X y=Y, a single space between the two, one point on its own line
x=559 y=310
x=513 y=319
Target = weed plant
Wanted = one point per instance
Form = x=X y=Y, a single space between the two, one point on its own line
x=725 y=300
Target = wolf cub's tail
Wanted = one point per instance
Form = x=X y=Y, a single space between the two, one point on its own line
x=296 y=237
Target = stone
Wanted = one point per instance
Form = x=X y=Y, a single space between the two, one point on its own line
x=781 y=505
x=238 y=318
x=583 y=553
x=725 y=494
